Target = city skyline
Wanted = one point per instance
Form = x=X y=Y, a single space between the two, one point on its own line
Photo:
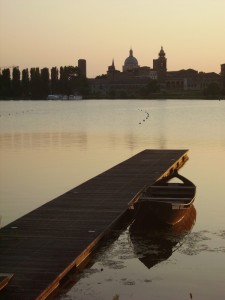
x=58 y=33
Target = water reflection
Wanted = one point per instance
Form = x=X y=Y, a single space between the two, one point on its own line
x=162 y=129
x=48 y=147
x=41 y=140
x=154 y=242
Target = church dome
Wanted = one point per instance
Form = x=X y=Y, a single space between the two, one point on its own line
x=130 y=62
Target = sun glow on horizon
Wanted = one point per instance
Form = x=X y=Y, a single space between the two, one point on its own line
x=57 y=33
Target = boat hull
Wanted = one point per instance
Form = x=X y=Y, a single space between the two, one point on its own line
x=169 y=202
x=168 y=213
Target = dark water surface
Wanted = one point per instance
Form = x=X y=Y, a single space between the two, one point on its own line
x=47 y=148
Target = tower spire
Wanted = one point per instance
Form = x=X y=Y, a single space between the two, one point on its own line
x=162 y=52
x=131 y=51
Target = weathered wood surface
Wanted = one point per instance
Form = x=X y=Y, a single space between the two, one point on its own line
x=42 y=246
x=5 y=279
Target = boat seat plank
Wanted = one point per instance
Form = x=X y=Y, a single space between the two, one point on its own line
x=169 y=192
x=164 y=199
x=172 y=187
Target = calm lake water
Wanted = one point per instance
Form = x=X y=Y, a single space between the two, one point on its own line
x=49 y=147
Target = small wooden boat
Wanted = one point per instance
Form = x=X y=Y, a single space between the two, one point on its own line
x=168 y=201
x=5 y=278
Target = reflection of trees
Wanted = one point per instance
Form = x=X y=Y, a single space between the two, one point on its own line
x=154 y=242
x=132 y=141
x=42 y=140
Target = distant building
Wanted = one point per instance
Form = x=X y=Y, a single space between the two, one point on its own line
x=131 y=63
x=159 y=65
x=223 y=70
x=223 y=74
x=133 y=79
x=127 y=83
x=82 y=67
x=190 y=80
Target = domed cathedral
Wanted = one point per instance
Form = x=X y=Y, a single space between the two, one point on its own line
x=159 y=65
x=130 y=63
x=134 y=79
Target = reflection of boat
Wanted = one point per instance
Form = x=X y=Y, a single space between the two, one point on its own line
x=154 y=242
x=75 y=97
x=64 y=97
x=5 y=278
x=169 y=201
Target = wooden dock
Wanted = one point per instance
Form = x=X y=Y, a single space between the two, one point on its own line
x=43 y=246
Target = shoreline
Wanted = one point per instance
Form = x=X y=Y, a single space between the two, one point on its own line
x=105 y=98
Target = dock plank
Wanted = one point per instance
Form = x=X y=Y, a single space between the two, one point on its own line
x=42 y=246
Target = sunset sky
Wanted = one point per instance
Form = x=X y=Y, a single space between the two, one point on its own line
x=47 y=33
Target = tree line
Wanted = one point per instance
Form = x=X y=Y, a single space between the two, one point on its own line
x=39 y=83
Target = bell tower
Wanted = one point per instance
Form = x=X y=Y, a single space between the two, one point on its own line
x=160 y=65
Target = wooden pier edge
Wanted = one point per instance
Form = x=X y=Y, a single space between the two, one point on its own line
x=92 y=246
x=159 y=163
x=78 y=261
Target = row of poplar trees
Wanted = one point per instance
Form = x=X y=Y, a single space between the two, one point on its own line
x=39 y=83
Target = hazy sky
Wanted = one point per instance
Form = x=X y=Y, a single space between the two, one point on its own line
x=47 y=33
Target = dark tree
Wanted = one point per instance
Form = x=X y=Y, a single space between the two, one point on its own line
x=73 y=75
x=103 y=76
x=5 y=84
x=78 y=83
x=63 y=80
x=72 y=81
x=45 y=83
x=54 y=81
x=35 y=83
x=25 y=84
x=66 y=80
x=16 y=87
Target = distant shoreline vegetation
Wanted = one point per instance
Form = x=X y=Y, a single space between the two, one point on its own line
x=37 y=84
